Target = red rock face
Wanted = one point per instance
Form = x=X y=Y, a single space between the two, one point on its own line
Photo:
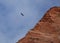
x=47 y=30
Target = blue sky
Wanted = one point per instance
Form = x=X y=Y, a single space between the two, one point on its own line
x=14 y=26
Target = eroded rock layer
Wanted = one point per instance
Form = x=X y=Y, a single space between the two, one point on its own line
x=47 y=30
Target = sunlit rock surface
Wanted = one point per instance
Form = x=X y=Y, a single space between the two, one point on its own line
x=47 y=30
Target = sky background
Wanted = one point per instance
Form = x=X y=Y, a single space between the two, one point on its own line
x=14 y=26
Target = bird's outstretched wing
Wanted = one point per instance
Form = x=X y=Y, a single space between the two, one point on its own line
x=22 y=14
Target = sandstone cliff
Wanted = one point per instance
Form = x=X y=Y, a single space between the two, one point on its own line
x=47 y=30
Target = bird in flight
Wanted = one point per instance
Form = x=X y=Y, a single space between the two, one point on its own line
x=22 y=14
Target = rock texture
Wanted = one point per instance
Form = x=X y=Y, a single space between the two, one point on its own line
x=47 y=30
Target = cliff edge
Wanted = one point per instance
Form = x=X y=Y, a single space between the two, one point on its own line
x=47 y=30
